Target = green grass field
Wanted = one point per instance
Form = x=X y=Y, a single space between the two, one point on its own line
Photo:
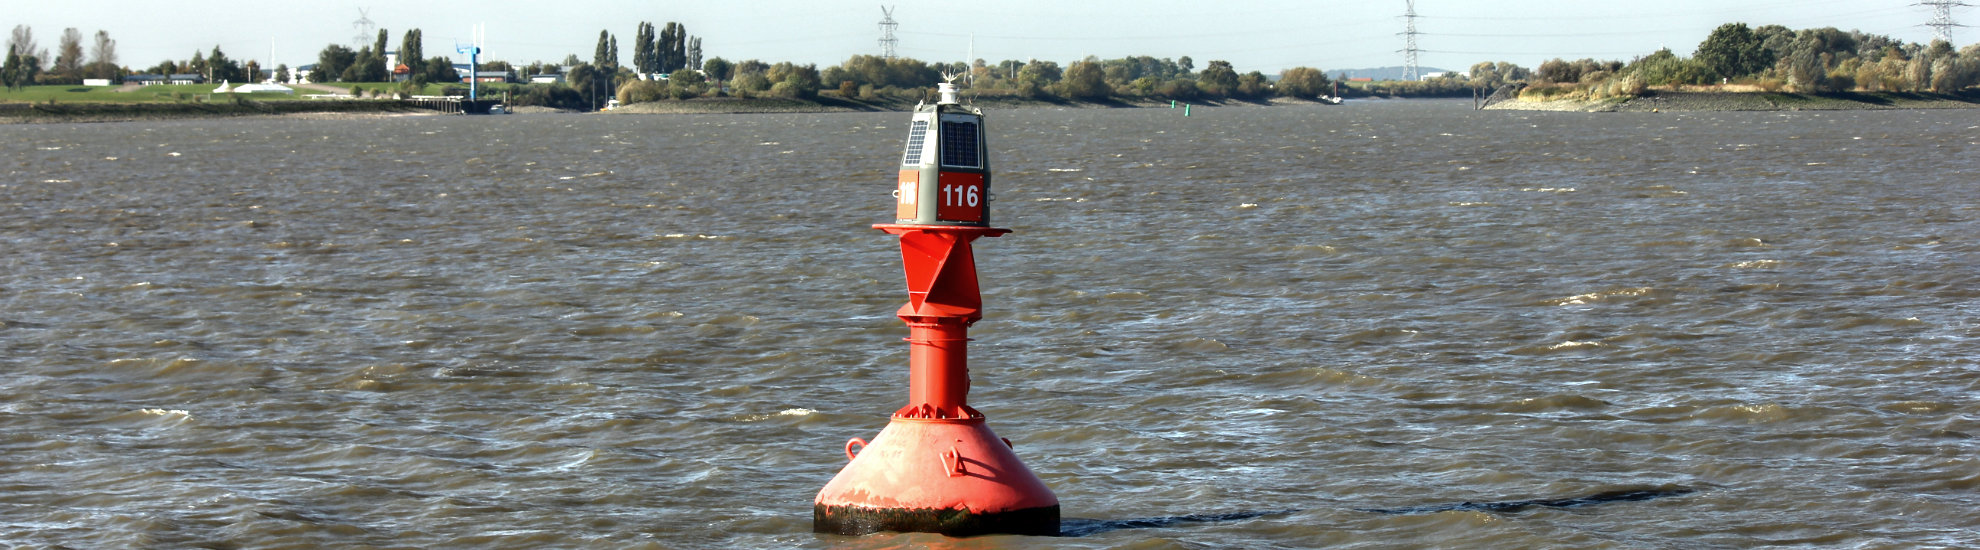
x=430 y=89
x=148 y=94
x=165 y=93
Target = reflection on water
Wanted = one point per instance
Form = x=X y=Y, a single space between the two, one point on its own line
x=533 y=331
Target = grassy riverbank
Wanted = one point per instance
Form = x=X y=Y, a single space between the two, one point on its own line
x=1660 y=100
x=121 y=112
x=108 y=106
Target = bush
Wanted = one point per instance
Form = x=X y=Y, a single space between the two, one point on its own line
x=689 y=91
x=751 y=83
x=786 y=90
x=548 y=95
x=1841 y=81
x=1030 y=89
x=1179 y=90
x=641 y=91
x=1546 y=91
x=1303 y=82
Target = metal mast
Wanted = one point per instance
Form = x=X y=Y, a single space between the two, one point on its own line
x=887 y=40
x=1942 y=22
x=1409 y=42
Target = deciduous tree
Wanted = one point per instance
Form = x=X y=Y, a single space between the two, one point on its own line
x=1253 y=85
x=331 y=63
x=1218 y=78
x=412 y=52
x=603 y=57
x=1303 y=82
x=69 y=56
x=1085 y=80
x=10 y=72
x=643 y=61
x=718 y=69
x=440 y=69
x=670 y=48
x=102 y=58
x=22 y=41
x=220 y=68
x=1734 y=51
x=794 y=81
x=592 y=84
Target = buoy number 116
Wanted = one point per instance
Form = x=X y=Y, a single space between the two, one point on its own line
x=968 y=195
x=962 y=197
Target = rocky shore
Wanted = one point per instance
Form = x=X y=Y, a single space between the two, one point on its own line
x=1660 y=101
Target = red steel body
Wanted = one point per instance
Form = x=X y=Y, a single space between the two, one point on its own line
x=937 y=467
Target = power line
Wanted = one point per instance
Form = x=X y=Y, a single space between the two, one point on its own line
x=887 y=40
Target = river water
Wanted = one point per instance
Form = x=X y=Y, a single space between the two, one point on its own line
x=659 y=331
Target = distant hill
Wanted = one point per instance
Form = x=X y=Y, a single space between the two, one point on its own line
x=1380 y=73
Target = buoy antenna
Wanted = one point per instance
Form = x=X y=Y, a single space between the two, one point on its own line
x=947 y=89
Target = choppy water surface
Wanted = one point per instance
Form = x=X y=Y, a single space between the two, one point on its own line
x=624 y=331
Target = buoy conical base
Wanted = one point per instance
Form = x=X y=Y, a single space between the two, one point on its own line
x=948 y=476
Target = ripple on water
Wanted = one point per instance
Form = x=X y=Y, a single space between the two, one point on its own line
x=313 y=333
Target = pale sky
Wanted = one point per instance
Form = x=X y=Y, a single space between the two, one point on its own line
x=1263 y=35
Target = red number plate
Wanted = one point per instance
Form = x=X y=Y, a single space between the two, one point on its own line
x=961 y=197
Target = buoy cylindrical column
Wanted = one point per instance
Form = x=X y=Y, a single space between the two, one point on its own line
x=938 y=364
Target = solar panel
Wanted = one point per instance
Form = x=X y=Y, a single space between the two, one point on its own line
x=959 y=144
x=917 y=134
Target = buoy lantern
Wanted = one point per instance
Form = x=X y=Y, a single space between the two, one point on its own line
x=937 y=467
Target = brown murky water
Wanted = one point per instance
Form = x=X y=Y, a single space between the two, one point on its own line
x=624 y=331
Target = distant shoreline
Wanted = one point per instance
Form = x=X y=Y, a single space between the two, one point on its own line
x=835 y=105
x=1686 y=101
x=1654 y=101
x=61 y=113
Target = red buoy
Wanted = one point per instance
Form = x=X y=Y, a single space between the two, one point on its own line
x=937 y=467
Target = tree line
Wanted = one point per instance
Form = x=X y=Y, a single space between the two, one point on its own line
x=1773 y=58
x=1769 y=57
x=1091 y=79
x=338 y=63
x=26 y=59
x=671 y=51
